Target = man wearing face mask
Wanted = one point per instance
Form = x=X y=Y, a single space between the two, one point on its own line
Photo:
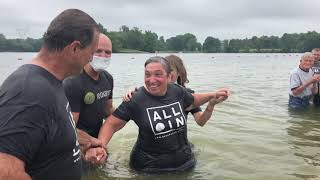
x=90 y=93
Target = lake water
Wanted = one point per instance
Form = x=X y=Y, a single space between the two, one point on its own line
x=250 y=136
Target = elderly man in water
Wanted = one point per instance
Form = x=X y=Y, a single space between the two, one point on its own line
x=302 y=82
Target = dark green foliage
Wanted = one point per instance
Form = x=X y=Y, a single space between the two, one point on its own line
x=126 y=40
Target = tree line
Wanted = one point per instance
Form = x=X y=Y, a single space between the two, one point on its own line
x=136 y=40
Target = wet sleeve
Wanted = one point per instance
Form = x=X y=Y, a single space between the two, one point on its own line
x=197 y=109
x=124 y=111
x=109 y=78
x=295 y=81
x=187 y=97
x=73 y=92
x=23 y=132
x=112 y=85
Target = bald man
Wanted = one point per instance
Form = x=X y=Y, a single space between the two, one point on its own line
x=90 y=93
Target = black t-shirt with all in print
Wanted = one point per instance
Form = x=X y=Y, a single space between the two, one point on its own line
x=89 y=97
x=162 y=143
x=36 y=125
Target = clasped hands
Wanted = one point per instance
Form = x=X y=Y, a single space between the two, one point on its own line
x=220 y=96
x=95 y=153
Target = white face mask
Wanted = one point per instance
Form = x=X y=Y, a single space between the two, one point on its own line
x=100 y=63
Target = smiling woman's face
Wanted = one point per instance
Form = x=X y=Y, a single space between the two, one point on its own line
x=156 y=79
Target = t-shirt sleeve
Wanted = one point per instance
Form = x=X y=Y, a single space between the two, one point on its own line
x=295 y=81
x=72 y=88
x=187 y=98
x=109 y=77
x=112 y=85
x=124 y=111
x=22 y=133
x=197 y=109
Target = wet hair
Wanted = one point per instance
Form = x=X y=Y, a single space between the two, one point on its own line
x=70 y=25
x=158 y=59
x=177 y=63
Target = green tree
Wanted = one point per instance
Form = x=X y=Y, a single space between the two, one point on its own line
x=150 y=41
x=211 y=45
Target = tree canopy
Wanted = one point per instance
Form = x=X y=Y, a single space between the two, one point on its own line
x=147 y=41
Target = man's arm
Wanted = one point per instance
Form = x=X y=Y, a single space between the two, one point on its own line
x=298 y=90
x=85 y=140
x=12 y=168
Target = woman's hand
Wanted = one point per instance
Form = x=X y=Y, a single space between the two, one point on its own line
x=220 y=96
x=96 y=156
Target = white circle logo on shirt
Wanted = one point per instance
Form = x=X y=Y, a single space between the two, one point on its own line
x=160 y=127
x=89 y=98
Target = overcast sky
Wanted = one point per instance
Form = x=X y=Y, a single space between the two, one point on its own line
x=224 y=19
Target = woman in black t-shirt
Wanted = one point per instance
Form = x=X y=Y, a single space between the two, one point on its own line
x=179 y=76
x=158 y=109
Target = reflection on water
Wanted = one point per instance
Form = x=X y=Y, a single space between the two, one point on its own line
x=305 y=132
x=251 y=136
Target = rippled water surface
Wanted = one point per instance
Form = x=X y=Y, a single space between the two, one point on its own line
x=250 y=136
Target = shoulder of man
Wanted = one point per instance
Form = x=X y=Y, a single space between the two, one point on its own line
x=107 y=75
x=294 y=71
x=22 y=88
x=72 y=82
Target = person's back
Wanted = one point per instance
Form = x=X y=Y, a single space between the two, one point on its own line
x=31 y=114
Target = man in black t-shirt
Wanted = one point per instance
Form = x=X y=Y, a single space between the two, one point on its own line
x=37 y=133
x=316 y=70
x=90 y=93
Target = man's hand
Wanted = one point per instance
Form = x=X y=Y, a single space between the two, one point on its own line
x=316 y=78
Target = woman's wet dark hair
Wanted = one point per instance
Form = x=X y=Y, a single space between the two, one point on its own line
x=158 y=59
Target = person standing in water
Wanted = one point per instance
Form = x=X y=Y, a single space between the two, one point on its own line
x=179 y=76
x=302 y=82
x=158 y=109
x=38 y=139
x=316 y=70
x=90 y=93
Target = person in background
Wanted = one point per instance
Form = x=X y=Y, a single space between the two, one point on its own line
x=316 y=70
x=301 y=83
x=90 y=93
x=179 y=76
x=158 y=109
x=38 y=139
